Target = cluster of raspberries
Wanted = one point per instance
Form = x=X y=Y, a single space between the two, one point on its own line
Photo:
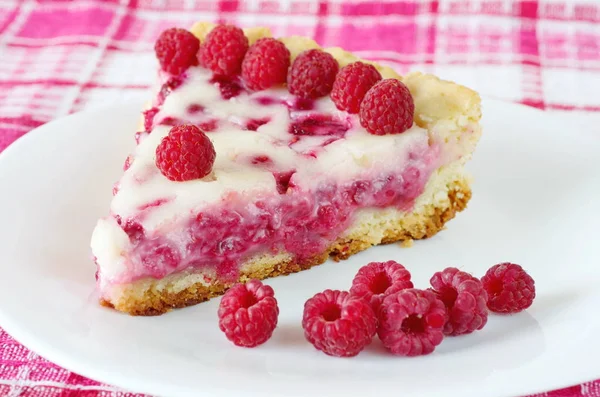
x=384 y=106
x=382 y=300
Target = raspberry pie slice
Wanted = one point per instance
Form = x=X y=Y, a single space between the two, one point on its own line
x=235 y=177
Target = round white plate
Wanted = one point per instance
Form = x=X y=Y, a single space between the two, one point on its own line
x=536 y=192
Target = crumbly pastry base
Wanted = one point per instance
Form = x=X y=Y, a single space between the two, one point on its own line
x=447 y=193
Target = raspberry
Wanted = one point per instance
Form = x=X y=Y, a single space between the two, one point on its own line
x=185 y=154
x=387 y=108
x=465 y=300
x=338 y=324
x=510 y=289
x=167 y=88
x=176 y=50
x=253 y=124
x=317 y=124
x=229 y=87
x=223 y=50
x=266 y=64
x=351 y=85
x=377 y=280
x=248 y=313
x=411 y=322
x=134 y=231
x=149 y=118
x=312 y=74
x=208 y=126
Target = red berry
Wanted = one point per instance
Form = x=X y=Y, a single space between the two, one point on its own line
x=377 y=280
x=465 y=300
x=338 y=324
x=266 y=64
x=229 y=88
x=312 y=74
x=411 y=322
x=149 y=118
x=185 y=154
x=351 y=85
x=176 y=50
x=387 y=108
x=248 y=313
x=223 y=50
x=208 y=126
x=510 y=289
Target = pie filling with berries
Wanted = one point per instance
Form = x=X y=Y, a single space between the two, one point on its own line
x=259 y=157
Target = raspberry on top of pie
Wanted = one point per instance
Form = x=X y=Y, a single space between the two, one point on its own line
x=260 y=156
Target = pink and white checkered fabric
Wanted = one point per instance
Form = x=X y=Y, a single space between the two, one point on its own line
x=57 y=57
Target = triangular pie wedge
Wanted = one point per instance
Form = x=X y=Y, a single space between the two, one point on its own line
x=276 y=202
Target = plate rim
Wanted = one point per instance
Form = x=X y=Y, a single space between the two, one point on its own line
x=69 y=361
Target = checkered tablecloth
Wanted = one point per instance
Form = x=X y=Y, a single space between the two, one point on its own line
x=57 y=57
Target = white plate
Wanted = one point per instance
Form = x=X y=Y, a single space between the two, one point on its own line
x=535 y=202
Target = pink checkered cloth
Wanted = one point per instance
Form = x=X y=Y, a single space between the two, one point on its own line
x=57 y=57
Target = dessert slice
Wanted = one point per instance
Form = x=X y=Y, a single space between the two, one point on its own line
x=260 y=157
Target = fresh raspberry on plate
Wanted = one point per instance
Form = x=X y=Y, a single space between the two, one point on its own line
x=185 y=154
x=376 y=280
x=510 y=289
x=223 y=50
x=411 y=322
x=465 y=300
x=266 y=64
x=248 y=313
x=312 y=74
x=387 y=108
x=351 y=85
x=338 y=324
x=176 y=50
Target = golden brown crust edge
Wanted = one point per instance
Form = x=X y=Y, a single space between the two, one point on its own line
x=155 y=302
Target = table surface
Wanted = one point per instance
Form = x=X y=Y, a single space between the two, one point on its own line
x=58 y=57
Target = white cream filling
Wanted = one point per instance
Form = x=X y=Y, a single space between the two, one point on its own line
x=110 y=245
x=343 y=160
